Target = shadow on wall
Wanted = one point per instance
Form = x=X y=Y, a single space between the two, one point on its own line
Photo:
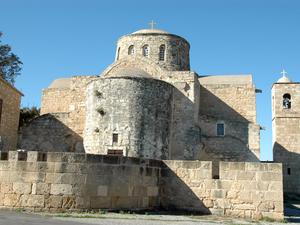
x=234 y=145
x=177 y=196
x=185 y=134
x=211 y=105
x=48 y=134
x=291 y=170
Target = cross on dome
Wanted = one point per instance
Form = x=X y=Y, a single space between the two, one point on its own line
x=284 y=73
x=152 y=23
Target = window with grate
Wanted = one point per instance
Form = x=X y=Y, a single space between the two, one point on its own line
x=146 y=50
x=131 y=50
x=162 y=50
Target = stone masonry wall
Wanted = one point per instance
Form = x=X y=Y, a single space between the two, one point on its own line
x=9 y=122
x=68 y=181
x=137 y=110
x=68 y=100
x=286 y=150
x=235 y=106
x=47 y=133
x=72 y=181
x=230 y=101
x=247 y=189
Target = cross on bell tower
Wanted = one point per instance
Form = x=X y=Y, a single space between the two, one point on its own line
x=284 y=73
x=152 y=23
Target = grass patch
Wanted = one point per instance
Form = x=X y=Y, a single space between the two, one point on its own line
x=19 y=210
x=272 y=220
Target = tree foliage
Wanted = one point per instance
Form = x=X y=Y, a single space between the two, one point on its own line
x=10 y=64
x=27 y=114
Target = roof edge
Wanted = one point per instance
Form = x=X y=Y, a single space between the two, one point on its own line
x=11 y=86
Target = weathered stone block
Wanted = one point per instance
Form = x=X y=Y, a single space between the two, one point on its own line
x=102 y=190
x=32 y=156
x=124 y=202
x=40 y=188
x=54 y=201
x=22 y=188
x=246 y=175
x=152 y=191
x=32 y=201
x=61 y=189
x=218 y=194
x=11 y=200
x=101 y=202
x=1 y=199
x=272 y=195
x=244 y=206
x=6 y=188
x=69 y=202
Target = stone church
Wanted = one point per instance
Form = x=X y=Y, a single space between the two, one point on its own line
x=184 y=141
x=148 y=103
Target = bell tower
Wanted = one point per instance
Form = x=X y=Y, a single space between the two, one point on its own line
x=286 y=131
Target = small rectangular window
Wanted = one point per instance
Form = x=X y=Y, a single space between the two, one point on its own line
x=115 y=138
x=220 y=129
x=289 y=171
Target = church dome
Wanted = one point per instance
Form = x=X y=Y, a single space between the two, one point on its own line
x=284 y=79
x=150 y=31
x=168 y=50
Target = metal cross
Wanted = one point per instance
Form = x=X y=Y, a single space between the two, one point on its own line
x=283 y=73
x=152 y=23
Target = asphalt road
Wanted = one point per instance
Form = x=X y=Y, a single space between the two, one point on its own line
x=17 y=218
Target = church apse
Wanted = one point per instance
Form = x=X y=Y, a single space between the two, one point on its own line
x=129 y=115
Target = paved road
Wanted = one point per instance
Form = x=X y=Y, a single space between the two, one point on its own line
x=15 y=218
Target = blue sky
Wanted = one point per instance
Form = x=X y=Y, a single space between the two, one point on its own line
x=62 y=38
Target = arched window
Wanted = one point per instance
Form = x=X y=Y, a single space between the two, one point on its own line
x=162 y=50
x=118 y=53
x=131 y=50
x=146 y=50
x=286 y=101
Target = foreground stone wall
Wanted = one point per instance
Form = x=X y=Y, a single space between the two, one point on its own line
x=68 y=181
x=9 y=116
x=73 y=181
x=249 y=190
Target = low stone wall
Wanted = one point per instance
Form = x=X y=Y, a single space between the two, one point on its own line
x=70 y=181
x=244 y=189
x=57 y=181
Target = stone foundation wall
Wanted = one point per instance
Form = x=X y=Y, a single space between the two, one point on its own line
x=249 y=190
x=68 y=181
